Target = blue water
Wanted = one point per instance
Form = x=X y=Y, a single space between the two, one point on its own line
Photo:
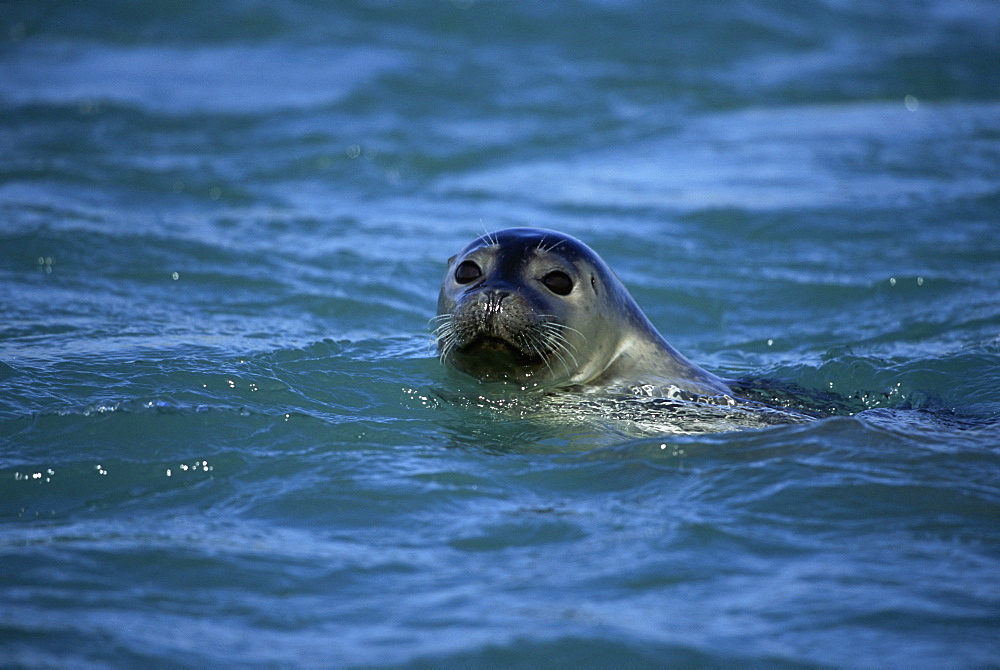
x=224 y=435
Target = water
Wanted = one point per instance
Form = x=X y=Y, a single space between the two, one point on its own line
x=225 y=439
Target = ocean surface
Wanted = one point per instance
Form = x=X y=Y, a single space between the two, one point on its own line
x=225 y=437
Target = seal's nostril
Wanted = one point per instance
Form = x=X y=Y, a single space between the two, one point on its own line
x=495 y=299
x=493 y=296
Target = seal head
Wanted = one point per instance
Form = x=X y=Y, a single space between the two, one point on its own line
x=539 y=308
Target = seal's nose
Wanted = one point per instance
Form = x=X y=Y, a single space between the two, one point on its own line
x=491 y=298
x=497 y=289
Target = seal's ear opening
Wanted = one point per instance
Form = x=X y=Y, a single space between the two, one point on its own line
x=452 y=259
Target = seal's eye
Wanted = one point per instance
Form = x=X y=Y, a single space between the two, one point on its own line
x=558 y=282
x=467 y=271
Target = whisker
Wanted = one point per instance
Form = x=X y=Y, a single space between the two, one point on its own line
x=560 y=348
x=537 y=342
x=489 y=237
x=559 y=343
x=445 y=335
x=559 y=329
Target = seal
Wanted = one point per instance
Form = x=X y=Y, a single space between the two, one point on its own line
x=541 y=309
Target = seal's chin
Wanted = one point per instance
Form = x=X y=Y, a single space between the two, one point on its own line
x=491 y=358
